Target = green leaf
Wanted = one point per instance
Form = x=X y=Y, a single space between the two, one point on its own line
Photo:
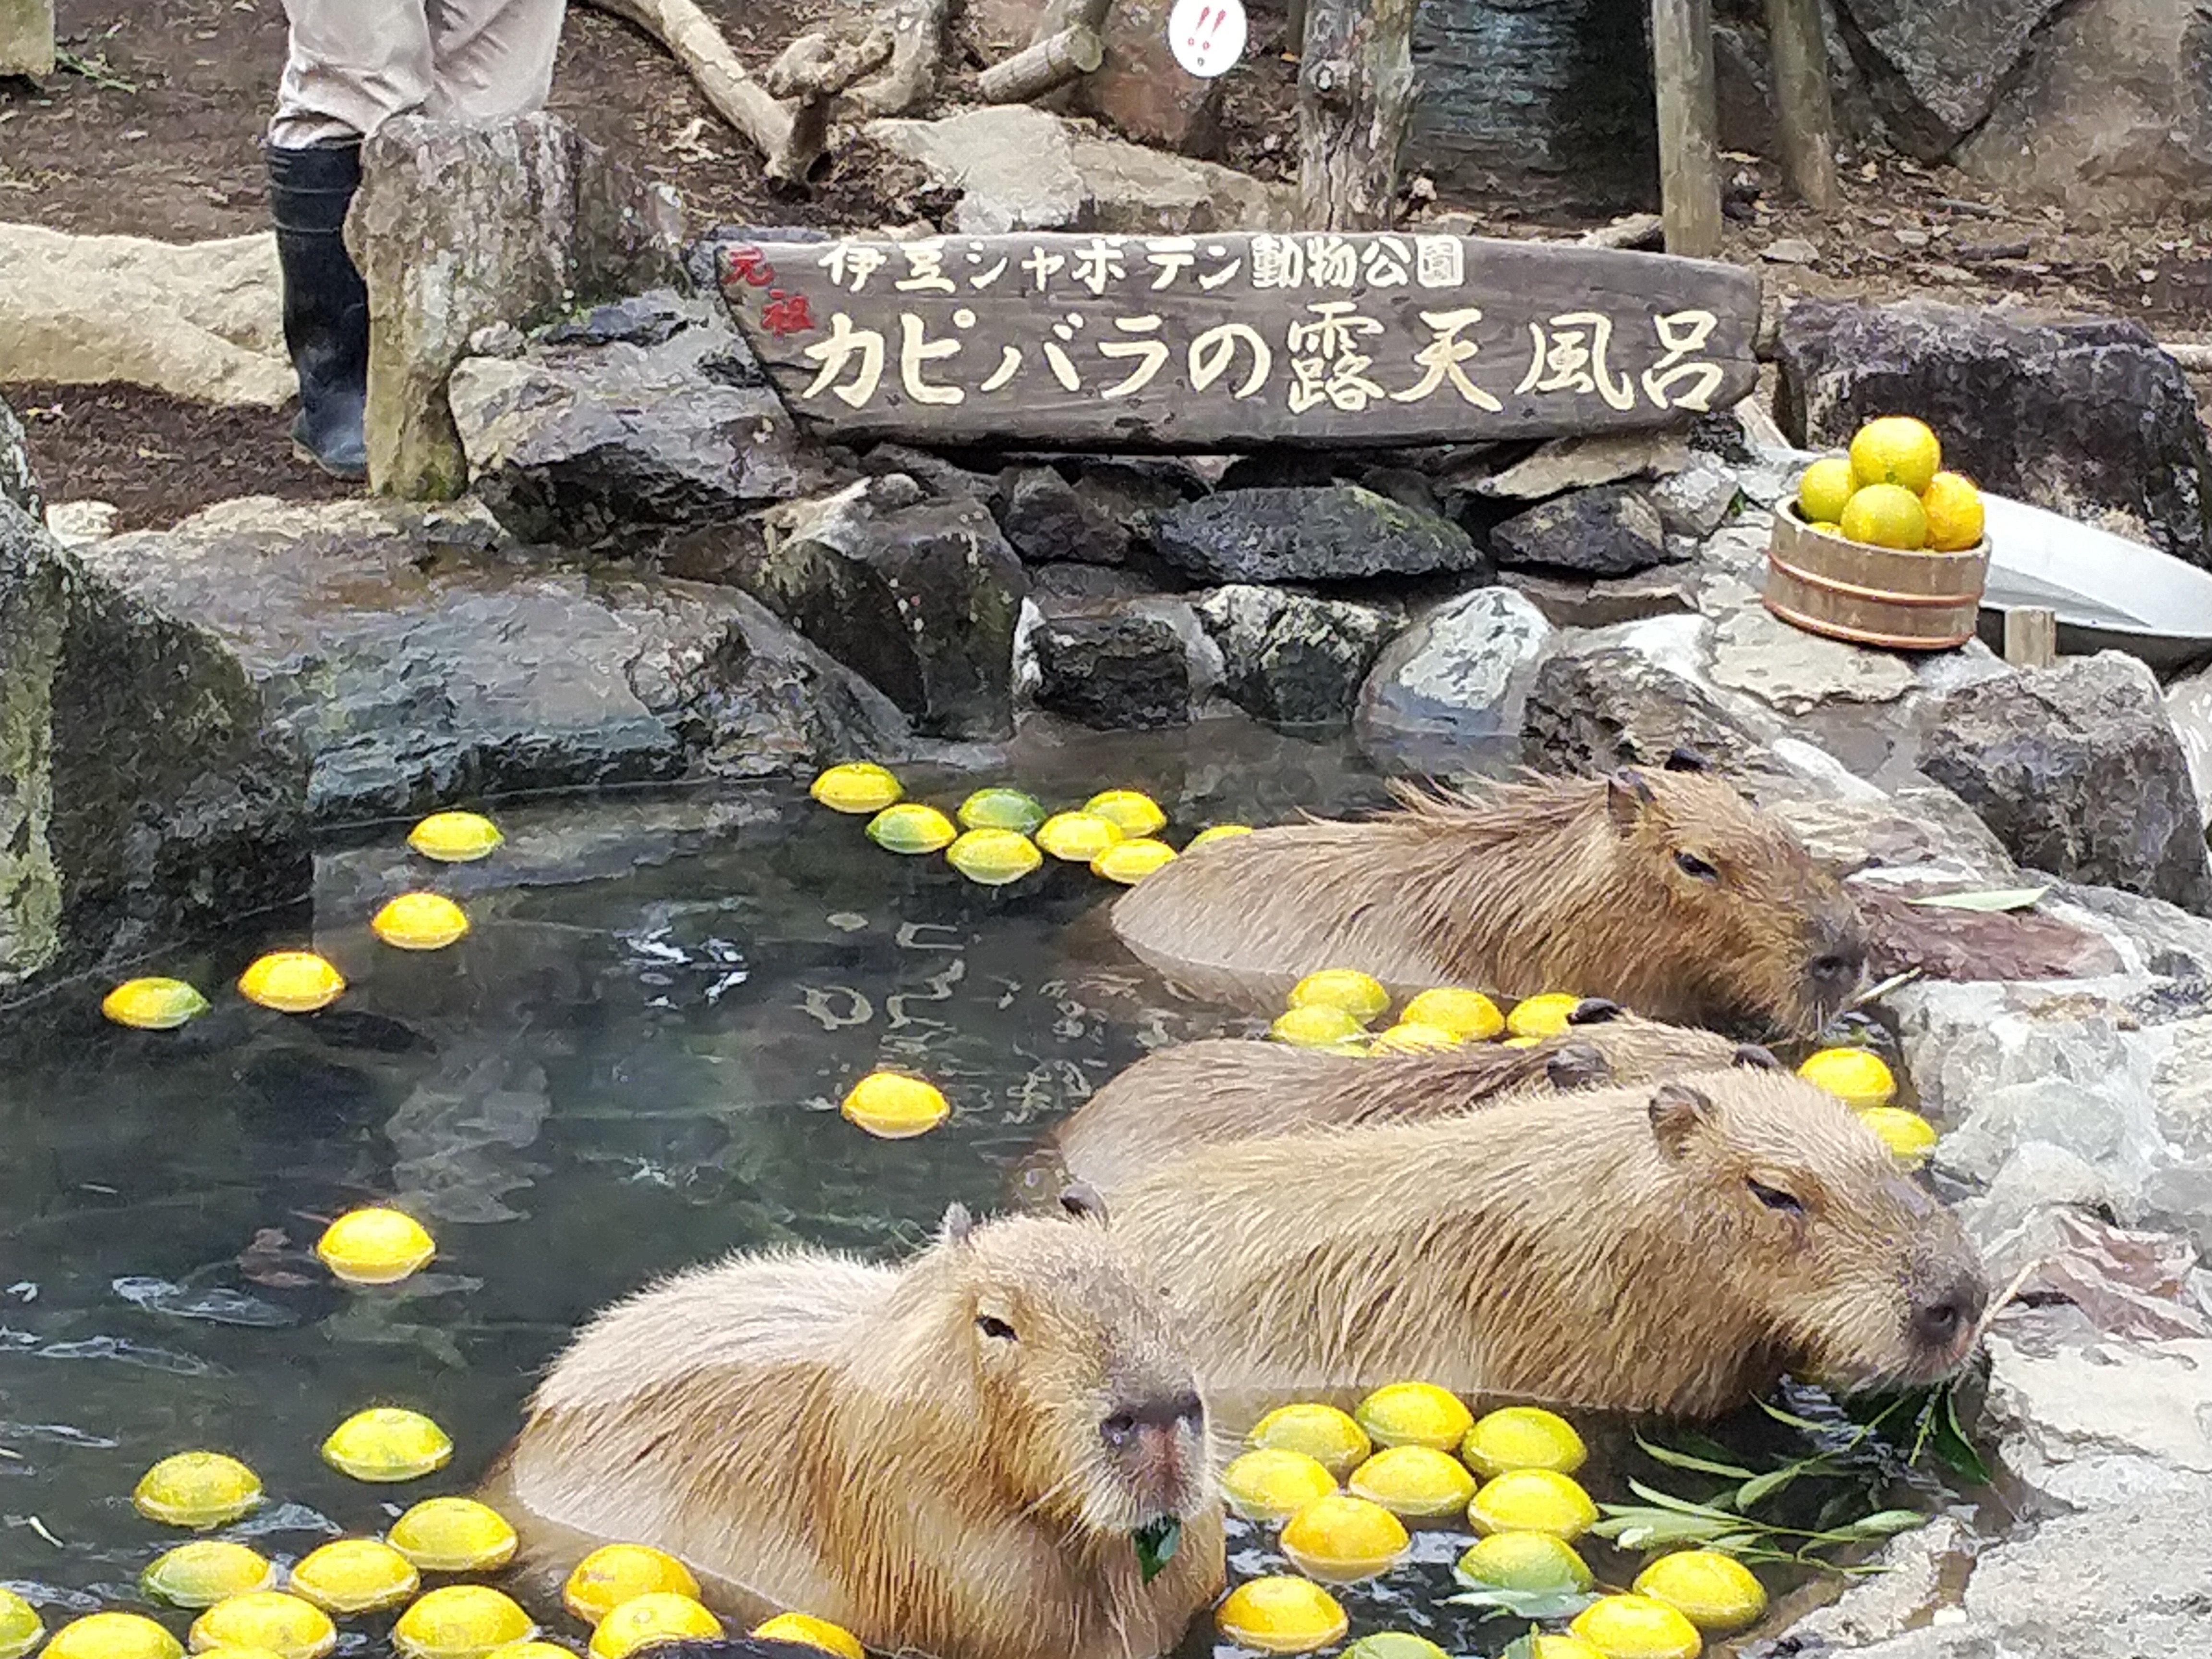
x=1958 y=1452
x=1524 y=1604
x=1523 y=1646
x=1637 y=1529
x=1884 y=1523
x=1681 y=1460
x=1761 y=1487
x=1157 y=1542
x=1683 y=1505
x=2006 y=898
x=1805 y=1424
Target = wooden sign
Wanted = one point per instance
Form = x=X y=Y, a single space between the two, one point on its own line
x=1238 y=340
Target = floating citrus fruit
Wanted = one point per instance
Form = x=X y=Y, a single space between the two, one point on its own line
x=1533 y=1500
x=1637 y=1628
x=238 y=1650
x=419 y=921
x=20 y=1625
x=454 y=1535
x=1521 y=1042
x=375 y=1246
x=1713 y=1591
x=113 y=1636
x=1001 y=809
x=454 y=837
x=386 y=1443
x=1955 y=515
x=1281 y=1615
x=1272 y=1483
x=355 y=1575
x=994 y=858
x=291 y=982
x=1543 y=1016
x=1908 y=1135
x=893 y=1107
x=1828 y=527
x=1558 y=1644
x=1130 y=810
x=1414 y=1414
x=153 y=1004
x=1896 y=450
x=1361 y=995
x=1825 y=489
x=205 y=1571
x=613 y=1573
x=1857 y=1076
x=661 y=1616
x=1522 y=1437
x=857 y=787
x=1529 y=1561
x=1212 y=833
x=1077 y=837
x=1416 y=1482
x=1323 y=1433
x=530 y=1649
x=197 y=1489
x=911 y=828
x=1410 y=1037
x=288 y=1625
x=812 y=1632
x=1469 y=1014
x=1316 y=1025
x=1394 y=1644
x=1130 y=862
x=1886 y=515
x=460 y=1621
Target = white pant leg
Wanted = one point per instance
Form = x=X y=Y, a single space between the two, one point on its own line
x=352 y=65
x=494 y=58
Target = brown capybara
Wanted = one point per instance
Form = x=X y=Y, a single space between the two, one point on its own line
x=1193 y=1094
x=1665 y=890
x=1673 y=1248
x=948 y=1458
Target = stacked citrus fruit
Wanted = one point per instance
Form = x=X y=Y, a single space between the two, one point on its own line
x=1891 y=490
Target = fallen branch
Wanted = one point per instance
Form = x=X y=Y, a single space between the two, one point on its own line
x=1052 y=61
x=917 y=52
x=811 y=72
x=1636 y=230
x=2192 y=355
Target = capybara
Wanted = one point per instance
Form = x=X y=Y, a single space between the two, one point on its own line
x=1672 y=1248
x=1192 y=1094
x=1665 y=890
x=948 y=1458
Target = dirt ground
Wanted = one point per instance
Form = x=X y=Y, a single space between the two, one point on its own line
x=153 y=128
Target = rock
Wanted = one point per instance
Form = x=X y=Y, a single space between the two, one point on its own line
x=1319 y=534
x=1139 y=89
x=1592 y=709
x=75 y=523
x=1935 y=68
x=1118 y=673
x=936 y=475
x=1571 y=602
x=1458 y=674
x=2088 y=419
x=1965 y=945
x=19 y=481
x=27 y=37
x=2077 y=770
x=646 y=414
x=199 y=320
x=1564 y=463
x=1063 y=587
x=456 y=228
x=1611 y=531
x=1131 y=191
x=1791 y=251
x=919 y=596
x=1754 y=651
x=146 y=792
x=2188 y=707
x=2110 y=118
x=418 y=660
x=1696 y=500
x=1045 y=517
x=1013 y=165
x=1290 y=659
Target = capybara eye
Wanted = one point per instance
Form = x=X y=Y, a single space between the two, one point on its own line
x=994 y=1327
x=1774 y=1198
x=1691 y=864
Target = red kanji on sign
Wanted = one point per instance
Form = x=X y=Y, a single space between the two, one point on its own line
x=785 y=314
x=749 y=264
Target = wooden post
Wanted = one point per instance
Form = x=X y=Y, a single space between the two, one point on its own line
x=27 y=37
x=1803 y=107
x=1051 y=62
x=1294 y=29
x=1689 y=162
x=2030 y=637
x=1355 y=96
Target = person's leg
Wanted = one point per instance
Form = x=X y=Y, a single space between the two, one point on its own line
x=352 y=65
x=494 y=57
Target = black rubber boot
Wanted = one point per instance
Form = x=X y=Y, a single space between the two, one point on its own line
x=325 y=305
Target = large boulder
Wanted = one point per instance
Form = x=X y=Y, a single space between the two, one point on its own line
x=418 y=656
x=1291 y=659
x=1047 y=519
x=27 y=37
x=1329 y=533
x=2080 y=773
x=1139 y=90
x=19 y=481
x=648 y=412
x=1458 y=674
x=1610 y=530
x=1935 y=68
x=457 y=228
x=1606 y=704
x=1117 y=671
x=145 y=791
x=2090 y=419
x=920 y=596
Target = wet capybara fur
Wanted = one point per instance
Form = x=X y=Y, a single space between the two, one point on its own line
x=1193 y=1094
x=1665 y=890
x=947 y=1458
x=1673 y=1248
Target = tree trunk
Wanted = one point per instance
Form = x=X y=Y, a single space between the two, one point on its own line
x=1355 y=97
x=1689 y=160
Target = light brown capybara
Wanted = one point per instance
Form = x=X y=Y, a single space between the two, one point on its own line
x=1665 y=890
x=1193 y=1094
x=1673 y=1248
x=949 y=1458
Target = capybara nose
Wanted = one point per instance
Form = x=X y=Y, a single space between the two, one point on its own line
x=1941 y=1320
x=1168 y=1412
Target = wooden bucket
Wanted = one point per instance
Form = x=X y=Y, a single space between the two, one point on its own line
x=1818 y=582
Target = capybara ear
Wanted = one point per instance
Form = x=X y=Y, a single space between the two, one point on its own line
x=1626 y=795
x=1683 y=758
x=1081 y=1199
x=957 y=1226
x=1757 y=1056
x=1594 y=1011
x=1578 y=1066
x=1677 y=1112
